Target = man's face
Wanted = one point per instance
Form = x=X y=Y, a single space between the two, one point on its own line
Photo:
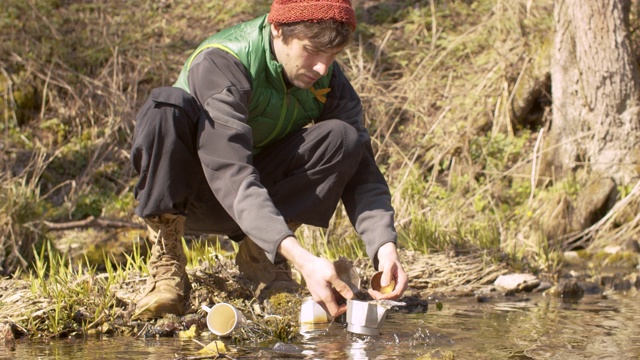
x=303 y=62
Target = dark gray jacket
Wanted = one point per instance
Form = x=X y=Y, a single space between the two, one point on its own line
x=220 y=83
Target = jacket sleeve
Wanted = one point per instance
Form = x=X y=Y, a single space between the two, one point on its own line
x=221 y=84
x=366 y=198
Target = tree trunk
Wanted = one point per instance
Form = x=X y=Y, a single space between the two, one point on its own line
x=595 y=90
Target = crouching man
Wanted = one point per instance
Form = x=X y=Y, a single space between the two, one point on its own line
x=260 y=133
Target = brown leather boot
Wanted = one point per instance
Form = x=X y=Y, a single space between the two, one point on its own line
x=168 y=285
x=254 y=264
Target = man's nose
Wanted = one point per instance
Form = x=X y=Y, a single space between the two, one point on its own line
x=321 y=67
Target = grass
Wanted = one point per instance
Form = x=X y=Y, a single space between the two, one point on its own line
x=75 y=299
x=439 y=81
x=70 y=292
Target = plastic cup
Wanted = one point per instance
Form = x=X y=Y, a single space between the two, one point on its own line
x=313 y=317
x=375 y=284
x=312 y=313
x=223 y=318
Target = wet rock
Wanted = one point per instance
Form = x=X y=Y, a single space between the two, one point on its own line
x=438 y=354
x=514 y=283
x=194 y=319
x=570 y=290
x=591 y=288
x=287 y=348
x=544 y=286
x=6 y=333
x=619 y=281
x=167 y=326
x=414 y=304
x=485 y=294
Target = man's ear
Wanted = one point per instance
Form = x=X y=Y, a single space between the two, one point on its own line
x=276 y=30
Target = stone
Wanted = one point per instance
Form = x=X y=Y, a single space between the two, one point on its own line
x=570 y=290
x=6 y=333
x=612 y=249
x=512 y=283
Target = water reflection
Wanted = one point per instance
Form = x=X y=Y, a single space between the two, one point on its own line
x=107 y=348
x=524 y=327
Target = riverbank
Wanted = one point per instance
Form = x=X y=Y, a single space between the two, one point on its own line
x=103 y=303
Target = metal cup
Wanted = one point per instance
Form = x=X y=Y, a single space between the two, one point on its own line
x=223 y=318
x=365 y=317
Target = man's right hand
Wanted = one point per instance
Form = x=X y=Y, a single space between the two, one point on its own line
x=319 y=274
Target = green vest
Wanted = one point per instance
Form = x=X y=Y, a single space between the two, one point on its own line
x=274 y=110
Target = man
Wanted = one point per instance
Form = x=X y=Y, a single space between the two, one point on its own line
x=260 y=133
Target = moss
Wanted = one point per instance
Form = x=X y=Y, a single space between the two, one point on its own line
x=23 y=102
x=284 y=304
x=624 y=259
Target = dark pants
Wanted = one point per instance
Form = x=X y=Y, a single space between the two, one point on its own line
x=305 y=172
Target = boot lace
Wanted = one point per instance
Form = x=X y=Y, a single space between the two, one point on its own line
x=168 y=254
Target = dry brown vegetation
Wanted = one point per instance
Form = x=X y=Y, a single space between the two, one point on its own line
x=456 y=97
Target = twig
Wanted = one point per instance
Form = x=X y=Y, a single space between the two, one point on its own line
x=534 y=166
x=91 y=221
x=95 y=322
x=144 y=328
x=434 y=26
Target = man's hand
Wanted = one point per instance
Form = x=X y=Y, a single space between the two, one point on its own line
x=390 y=266
x=319 y=274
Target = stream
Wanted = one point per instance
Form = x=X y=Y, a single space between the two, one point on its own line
x=529 y=326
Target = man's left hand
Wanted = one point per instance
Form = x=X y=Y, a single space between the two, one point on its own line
x=391 y=268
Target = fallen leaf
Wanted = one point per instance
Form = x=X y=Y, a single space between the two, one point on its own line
x=188 y=334
x=215 y=347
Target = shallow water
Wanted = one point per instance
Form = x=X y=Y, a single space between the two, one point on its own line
x=519 y=327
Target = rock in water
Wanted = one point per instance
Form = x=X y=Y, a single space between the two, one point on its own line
x=513 y=283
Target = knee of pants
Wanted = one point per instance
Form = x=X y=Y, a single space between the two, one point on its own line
x=342 y=135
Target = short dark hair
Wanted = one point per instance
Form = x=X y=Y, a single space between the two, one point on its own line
x=324 y=34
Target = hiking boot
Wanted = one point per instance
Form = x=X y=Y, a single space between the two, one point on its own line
x=254 y=264
x=168 y=285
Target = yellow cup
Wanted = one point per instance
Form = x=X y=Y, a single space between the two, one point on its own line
x=375 y=284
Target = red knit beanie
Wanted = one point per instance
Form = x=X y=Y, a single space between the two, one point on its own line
x=290 y=11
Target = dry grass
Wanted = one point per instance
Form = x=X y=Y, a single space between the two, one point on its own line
x=455 y=95
x=440 y=81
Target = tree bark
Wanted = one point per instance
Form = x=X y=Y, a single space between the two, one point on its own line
x=595 y=91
